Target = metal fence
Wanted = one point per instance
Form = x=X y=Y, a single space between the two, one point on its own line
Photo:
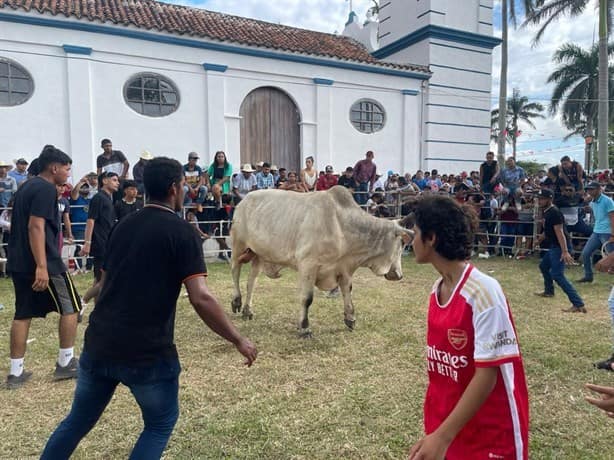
x=511 y=238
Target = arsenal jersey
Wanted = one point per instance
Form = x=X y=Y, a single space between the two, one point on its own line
x=475 y=329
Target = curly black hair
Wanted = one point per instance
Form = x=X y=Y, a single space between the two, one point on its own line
x=452 y=225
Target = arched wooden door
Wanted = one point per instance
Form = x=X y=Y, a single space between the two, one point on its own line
x=270 y=129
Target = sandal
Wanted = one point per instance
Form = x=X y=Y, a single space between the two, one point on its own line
x=605 y=365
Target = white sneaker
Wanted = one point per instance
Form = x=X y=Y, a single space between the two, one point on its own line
x=483 y=255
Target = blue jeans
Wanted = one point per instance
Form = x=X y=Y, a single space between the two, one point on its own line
x=553 y=269
x=155 y=388
x=508 y=236
x=362 y=196
x=611 y=307
x=594 y=242
x=200 y=198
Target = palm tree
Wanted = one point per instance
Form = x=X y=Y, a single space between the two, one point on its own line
x=518 y=109
x=547 y=11
x=508 y=9
x=576 y=81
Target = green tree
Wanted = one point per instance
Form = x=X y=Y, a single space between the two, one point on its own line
x=548 y=11
x=518 y=110
x=531 y=167
x=575 y=93
x=508 y=13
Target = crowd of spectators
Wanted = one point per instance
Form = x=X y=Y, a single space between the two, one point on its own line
x=503 y=197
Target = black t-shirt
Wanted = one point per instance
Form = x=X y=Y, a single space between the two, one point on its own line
x=102 y=211
x=123 y=209
x=115 y=163
x=36 y=197
x=150 y=254
x=218 y=173
x=553 y=216
x=347 y=182
x=488 y=171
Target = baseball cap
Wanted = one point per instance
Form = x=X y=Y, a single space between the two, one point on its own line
x=21 y=161
x=193 y=156
x=545 y=193
x=329 y=169
x=92 y=174
x=592 y=185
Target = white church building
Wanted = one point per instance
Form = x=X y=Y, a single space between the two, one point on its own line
x=413 y=84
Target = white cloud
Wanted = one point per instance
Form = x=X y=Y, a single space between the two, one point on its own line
x=321 y=15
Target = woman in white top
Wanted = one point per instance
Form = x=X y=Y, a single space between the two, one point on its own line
x=309 y=175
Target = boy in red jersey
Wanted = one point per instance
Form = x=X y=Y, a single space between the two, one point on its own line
x=476 y=404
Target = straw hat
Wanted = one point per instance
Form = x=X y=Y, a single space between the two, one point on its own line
x=145 y=155
x=4 y=164
x=247 y=168
x=274 y=168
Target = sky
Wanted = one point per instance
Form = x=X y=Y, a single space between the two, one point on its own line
x=528 y=68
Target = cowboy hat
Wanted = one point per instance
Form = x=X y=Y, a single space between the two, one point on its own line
x=4 y=164
x=247 y=168
x=145 y=155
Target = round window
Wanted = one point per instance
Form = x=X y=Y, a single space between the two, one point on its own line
x=16 y=84
x=367 y=116
x=151 y=95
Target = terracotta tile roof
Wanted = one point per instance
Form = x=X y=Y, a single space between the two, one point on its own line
x=182 y=20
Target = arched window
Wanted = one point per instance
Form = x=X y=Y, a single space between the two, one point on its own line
x=16 y=84
x=151 y=95
x=367 y=116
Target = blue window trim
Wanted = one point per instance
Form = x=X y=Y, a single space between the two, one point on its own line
x=168 y=39
x=323 y=81
x=457 y=124
x=215 y=67
x=441 y=66
x=458 y=107
x=430 y=11
x=435 y=141
x=73 y=49
x=488 y=53
x=435 y=85
x=443 y=33
x=410 y=92
x=453 y=159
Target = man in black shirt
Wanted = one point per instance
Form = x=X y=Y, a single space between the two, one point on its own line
x=129 y=339
x=39 y=275
x=347 y=179
x=111 y=160
x=555 y=241
x=100 y=220
x=130 y=202
x=489 y=170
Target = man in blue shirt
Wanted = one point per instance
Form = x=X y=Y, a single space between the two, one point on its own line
x=602 y=208
x=20 y=173
x=264 y=179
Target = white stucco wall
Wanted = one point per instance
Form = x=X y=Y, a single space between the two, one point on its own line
x=78 y=100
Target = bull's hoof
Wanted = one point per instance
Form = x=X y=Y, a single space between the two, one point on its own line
x=236 y=305
x=349 y=324
x=305 y=334
x=247 y=315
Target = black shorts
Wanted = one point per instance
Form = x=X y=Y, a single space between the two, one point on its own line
x=61 y=296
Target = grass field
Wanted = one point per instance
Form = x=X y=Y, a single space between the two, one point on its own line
x=355 y=395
